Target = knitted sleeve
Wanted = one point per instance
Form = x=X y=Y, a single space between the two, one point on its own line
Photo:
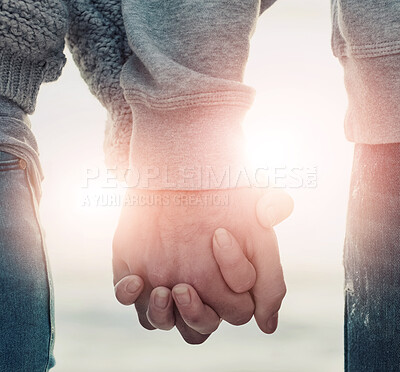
x=97 y=40
x=31 y=47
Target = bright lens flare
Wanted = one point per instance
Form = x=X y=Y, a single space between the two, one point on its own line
x=268 y=147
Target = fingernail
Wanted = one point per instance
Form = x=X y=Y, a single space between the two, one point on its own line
x=161 y=298
x=273 y=323
x=223 y=238
x=269 y=216
x=182 y=295
x=133 y=286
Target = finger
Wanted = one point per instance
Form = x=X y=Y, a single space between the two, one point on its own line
x=274 y=206
x=269 y=289
x=235 y=308
x=161 y=309
x=238 y=272
x=196 y=315
x=141 y=305
x=189 y=335
x=128 y=289
x=141 y=300
x=120 y=269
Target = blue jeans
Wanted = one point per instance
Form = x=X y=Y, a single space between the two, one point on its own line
x=372 y=261
x=372 y=265
x=26 y=301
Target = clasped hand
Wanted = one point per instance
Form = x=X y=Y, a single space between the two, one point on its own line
x=180 y=264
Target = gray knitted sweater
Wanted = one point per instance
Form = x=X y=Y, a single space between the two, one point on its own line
x=32 y=37
x=31 y=47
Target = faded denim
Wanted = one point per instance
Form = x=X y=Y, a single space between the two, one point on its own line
x=26 y=291
x=26 y=303
x=372 y=261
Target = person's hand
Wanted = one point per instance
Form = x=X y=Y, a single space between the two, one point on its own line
x=193 y=317
x=170 y=242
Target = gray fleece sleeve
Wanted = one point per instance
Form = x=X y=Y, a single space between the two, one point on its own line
x=184 y=83
x=366 y=39
x=170 y=75
x=31 y=47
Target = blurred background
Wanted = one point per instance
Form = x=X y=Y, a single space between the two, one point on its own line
x=295 y=123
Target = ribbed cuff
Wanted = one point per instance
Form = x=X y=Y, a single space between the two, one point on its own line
x=20 y=78
x=187 y=149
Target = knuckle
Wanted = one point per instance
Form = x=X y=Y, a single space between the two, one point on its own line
x=241 y=314
x=160 y=275
x=245 y=310
x=241 y=319
x=281 y=293
x=244 y=285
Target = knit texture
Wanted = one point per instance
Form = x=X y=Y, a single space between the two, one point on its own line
x=31 y=47
x=97 y=40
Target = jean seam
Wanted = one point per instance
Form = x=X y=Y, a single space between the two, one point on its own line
x=6 y=168
x=48 y=273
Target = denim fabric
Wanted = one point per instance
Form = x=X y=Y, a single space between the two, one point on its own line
x=372 y=261
x=26 y=304
x=16 y=138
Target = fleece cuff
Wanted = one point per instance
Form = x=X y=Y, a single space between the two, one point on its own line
x=193 y=148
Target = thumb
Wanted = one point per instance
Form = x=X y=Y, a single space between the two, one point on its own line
x=274 y=206
x=238 y=272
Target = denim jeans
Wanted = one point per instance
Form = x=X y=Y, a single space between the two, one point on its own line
x=26 y=301
x=372 y=261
